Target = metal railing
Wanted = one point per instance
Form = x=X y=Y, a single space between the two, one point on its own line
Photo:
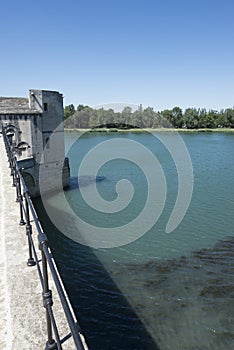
x=27 y=211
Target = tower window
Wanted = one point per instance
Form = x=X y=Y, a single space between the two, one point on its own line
x=47 y=142
x=45 y=107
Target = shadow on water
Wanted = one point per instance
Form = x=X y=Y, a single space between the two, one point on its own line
x=105 y=316
x=84 y=181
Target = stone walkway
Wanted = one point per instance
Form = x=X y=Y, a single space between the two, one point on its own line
x=22 y=320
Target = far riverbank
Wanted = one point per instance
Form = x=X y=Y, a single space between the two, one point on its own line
x=136 y=130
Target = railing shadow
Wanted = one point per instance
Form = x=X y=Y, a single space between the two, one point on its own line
x=106 y=317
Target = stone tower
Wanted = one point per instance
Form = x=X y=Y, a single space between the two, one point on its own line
x=35 y=128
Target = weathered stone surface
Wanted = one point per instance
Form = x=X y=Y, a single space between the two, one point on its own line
x=14 y=105
x=35 y=126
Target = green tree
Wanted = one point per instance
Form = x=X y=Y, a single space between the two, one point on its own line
x=230 y=117
x=202 y=115
x=81 y=107
x=68 y=111
x=191 y=118
x=177 y=117
x=110 y=116
x=126 y=116
x=211 y=118
x=148 y=117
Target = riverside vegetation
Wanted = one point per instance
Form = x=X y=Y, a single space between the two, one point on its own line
x=85 y=117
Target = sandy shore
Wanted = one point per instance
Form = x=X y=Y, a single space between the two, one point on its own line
x=224 y=130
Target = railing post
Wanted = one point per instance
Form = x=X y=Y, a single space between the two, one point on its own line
x=20 y=200
x=13 y=171
x=17 y=182
x=31 y=261
x=47 y=298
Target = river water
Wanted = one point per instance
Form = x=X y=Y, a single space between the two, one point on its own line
x=163 y=290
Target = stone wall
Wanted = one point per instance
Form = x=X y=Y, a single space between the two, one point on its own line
x=36 y=125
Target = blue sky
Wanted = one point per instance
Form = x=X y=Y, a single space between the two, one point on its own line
x=156 y=53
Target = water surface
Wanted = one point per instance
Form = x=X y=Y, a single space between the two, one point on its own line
x=163 y=291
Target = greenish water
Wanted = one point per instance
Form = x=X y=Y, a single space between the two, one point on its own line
x=162 y=291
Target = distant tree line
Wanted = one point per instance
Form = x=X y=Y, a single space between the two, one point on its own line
x=192 y=118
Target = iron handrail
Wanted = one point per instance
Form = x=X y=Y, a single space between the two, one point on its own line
x=26 y=210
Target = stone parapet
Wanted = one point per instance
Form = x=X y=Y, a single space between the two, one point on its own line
x=23 y=321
